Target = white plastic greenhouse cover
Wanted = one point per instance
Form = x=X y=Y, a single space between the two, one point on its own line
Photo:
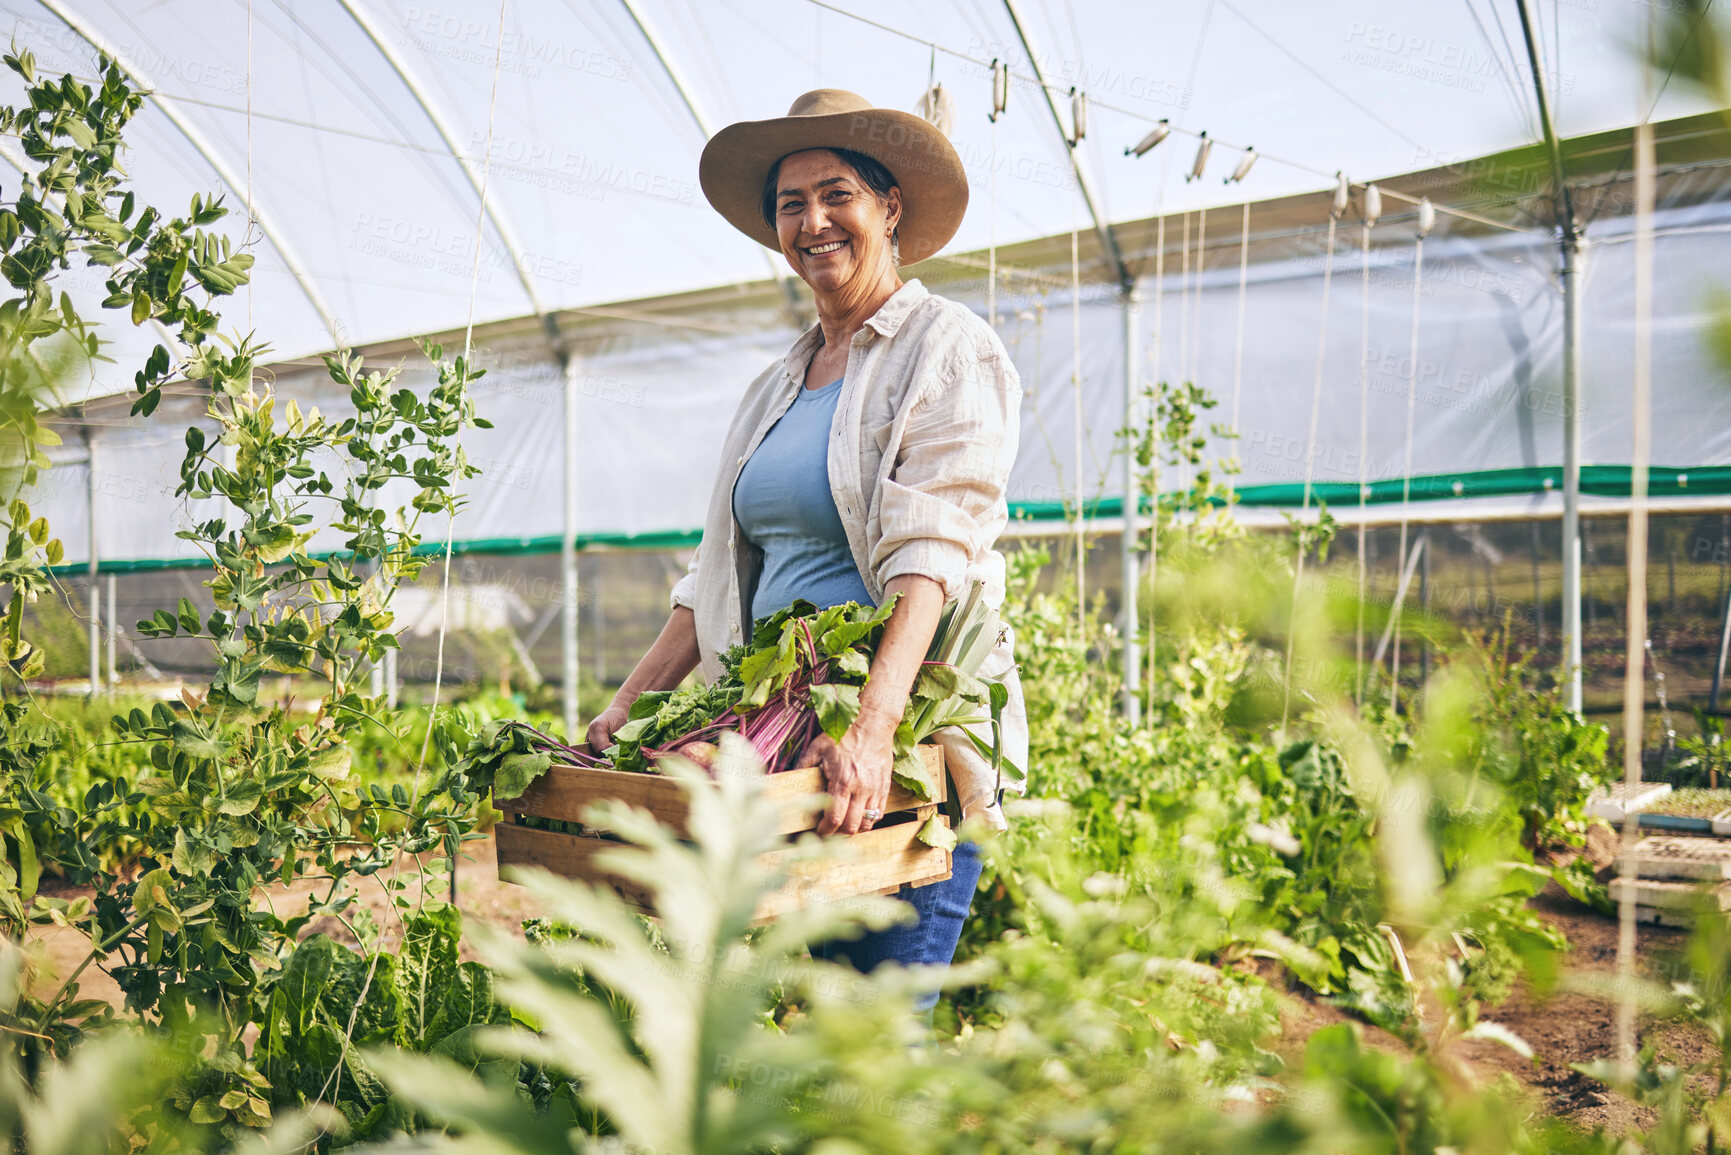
x=359 y=132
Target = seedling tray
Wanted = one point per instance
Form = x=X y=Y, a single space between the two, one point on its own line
x=880 y=860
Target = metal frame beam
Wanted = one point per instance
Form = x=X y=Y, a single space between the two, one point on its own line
x=202 y=144
x=1108 y=239
x=1570 y=239
x=489 y=205
x=662 y=57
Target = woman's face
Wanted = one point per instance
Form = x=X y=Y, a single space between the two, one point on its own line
x=834 y=231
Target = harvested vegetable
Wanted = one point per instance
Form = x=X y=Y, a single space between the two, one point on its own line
x=799 y=676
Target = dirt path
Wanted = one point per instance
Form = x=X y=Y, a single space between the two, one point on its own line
x=481 y=896
x=1574 y=1027
x=1567 y=1027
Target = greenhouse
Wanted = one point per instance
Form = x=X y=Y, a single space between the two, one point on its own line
x=1306 y=608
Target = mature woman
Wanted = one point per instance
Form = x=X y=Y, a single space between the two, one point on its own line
x=868 y=463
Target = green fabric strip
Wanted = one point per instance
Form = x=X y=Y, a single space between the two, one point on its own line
x=1597 y=480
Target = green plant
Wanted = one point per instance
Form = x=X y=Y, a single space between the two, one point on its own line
x=72 y=202
x=238 y=790
x=329 y=1003
x=660 y=1029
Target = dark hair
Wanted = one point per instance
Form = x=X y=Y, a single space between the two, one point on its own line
x=872 y=173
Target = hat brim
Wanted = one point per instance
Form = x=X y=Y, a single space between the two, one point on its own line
x=934 y=185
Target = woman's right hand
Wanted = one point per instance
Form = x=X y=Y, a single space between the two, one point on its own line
x=600 y=733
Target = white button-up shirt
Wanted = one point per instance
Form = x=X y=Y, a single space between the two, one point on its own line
x=919 y=455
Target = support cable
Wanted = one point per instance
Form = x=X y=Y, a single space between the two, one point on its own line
x=1309 y=467
x=1238 y=340
x=468 y=348
x=1196 y=309
x=1184 y=302
x=1076 y=393
x=1634 y=663
x=1406 y=470
x=1154 y=430
x=1000 y=104
x=1363 y=452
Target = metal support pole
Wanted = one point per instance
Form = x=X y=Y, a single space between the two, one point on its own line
x=392 y=683
x=1719 y=666
x=1131 y=620
x=599 y=623
x=1571 y=610
x=568 y=556
x=113 y=633
x=95 y=591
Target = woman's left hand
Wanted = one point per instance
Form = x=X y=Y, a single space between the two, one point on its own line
x=856 y=772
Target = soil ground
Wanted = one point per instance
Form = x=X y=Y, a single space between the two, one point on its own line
x=1569 y=1026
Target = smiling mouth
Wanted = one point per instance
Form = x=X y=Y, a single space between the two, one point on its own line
x=824 y=249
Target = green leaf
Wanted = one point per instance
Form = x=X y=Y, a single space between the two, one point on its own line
x=241 y=798
x=273 y=543
x=848 y=635
x=631 y=732
x=196 y=745
x=517 y=771
x=837 y=705
x=330 y=764
x=29 y=872
x=936 y=832
x=853 y=663
x=469 y=1002
x=192 y=856
x=427 y=969
x=303 y=981
x=911 y=775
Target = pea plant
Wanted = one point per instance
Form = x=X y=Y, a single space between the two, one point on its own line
x=240 y=790
x=70 y=202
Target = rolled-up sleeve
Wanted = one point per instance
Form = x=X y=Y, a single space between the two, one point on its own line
x=685 y=589
x=942 y=506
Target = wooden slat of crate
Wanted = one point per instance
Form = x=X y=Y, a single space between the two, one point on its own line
x=568 y=855
x=883 y=860
x=565 y=792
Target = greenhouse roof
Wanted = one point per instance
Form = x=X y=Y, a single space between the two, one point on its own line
x=362 y=134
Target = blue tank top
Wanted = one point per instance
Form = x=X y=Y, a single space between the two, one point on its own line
x=783 y=504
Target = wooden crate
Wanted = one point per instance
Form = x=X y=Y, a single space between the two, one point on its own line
x=565 y=792
x=884 y=858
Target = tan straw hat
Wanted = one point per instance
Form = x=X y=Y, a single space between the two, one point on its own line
x=737 y=160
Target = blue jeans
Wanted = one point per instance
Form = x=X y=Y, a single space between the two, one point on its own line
x=942 y=908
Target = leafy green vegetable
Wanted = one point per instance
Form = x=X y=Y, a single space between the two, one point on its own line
x=936 y=832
